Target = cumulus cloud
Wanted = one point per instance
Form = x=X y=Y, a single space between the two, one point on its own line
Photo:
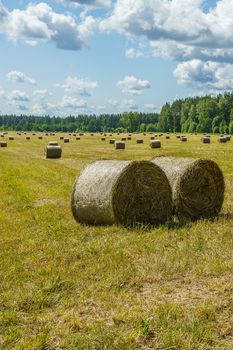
x=89 y=3
x=38 y=23
x=133 y=86
x=20 y=77
x=133 y=53
x=78 y=86
x=73 y=103
x=210 y=75
x=17 y=96
x=129 y=105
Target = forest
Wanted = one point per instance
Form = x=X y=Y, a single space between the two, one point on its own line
x=210 y=114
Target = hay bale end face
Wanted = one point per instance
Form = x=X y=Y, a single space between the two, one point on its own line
x=123 y=192
x=112 y=141
x=28 y=138
x=119 y=145
x=155 y=144
x=40 y=137
x=53 y=152
x=139 y=141
x=11 y=138
x=3 y=144
x=78 y=138
x=222 y=139
x=66 y=140
x=197 y=186
x=183 y=138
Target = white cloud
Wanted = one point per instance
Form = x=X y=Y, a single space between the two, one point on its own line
x=129 y=105
x=133 y=53
x=150 y=107
x=113 y=102
x=73 y=103
x=40 y=24
x=133 y=86
x=20 y=77
x=89 y=3
x=78 y=86
x=42 y=93
x=210 y=75
x=17 y=96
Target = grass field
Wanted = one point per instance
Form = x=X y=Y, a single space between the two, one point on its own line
x=67 y=286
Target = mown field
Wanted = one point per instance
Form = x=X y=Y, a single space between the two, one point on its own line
x=67 y=286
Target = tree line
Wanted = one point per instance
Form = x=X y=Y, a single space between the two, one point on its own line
x=193 y=114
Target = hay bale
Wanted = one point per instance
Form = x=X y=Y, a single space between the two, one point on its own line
x=228 y=137
x=129 y=138
x=205 y=139
x=53 y=151
x=222 y=139
x=178 y=136
x=112 y=141
x=123 y=139
x=61 y=137
x=2 y=135
x=53 y=143
x=122 y=192
x=183 y=138
x=3 y=144
x=66 y=140
x=11 y=138
x=40 y=137
x=119 y=145
x=155 y=144
x=78 y=138
x=152 y=138
x=167 y=137
x=28 y=138
x=103 y=138
x=197 y=186
x=139 y=140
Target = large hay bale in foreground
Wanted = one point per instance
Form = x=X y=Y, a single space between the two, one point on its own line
x=53 y=152
x=197 y=186
x=124 y=192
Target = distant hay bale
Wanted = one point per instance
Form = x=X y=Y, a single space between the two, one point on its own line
x=197 y=186
x=3 y=144
x=167 y=137
x=2 y=135
x=61 y=137
x=228 y=137
x=112 y=141
x=178 y=136
x=28 y=138
x=122 y=192
x=11 y=138
x=91 y=134
x=139 y=140
x=222 y=139
x=66 y=140
x=74 y=134
x=129 y=138
x=123 y=139
x=205 y=139
x=155 y=144
x=78 y=138
x=103 y=138
x=53 y=143
x=119 y=145
x=152 y=138
x=40 y=137
x=53 y=151
x=183 y=138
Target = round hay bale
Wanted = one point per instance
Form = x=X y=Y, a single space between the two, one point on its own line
x=119 y=145
x=152 y=138
x=167 y=137
x=155 y=144
x=103 y=138
x=228 y=137
x=222 y=139
x=2 y=135
x=205 y=139
x=3 y=144
x=178 y=136
x=53 y=143
x=122 y=192
x=53 y=151
x=28 y=138
x=40 y=137
x=112 y=141
x=197 y=186
x=78 y=138
x=129 y=138
x=139 y=140
x=11 y=138
x=123 y=139
x=61 y=137
x=183 y=138
x=66 y=140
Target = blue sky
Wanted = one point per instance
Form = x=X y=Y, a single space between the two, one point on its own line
x=94 y=56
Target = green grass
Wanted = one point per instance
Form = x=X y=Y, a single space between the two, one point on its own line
x=67 y=286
